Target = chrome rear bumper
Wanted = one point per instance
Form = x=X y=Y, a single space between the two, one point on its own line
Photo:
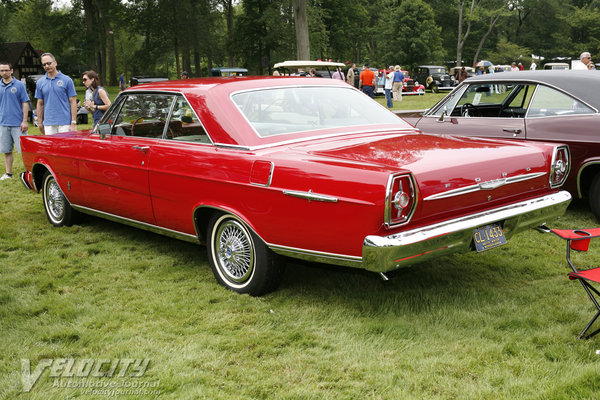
x=386 y=253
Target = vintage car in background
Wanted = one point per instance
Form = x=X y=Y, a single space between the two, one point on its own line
x=434 y=77
x=409 y=85
x=557 y=66
x=323 y=69
x=138 y=80
x=502 y=68
x=262 y=167
x=454 y=71
x=228 y=71
x=551 y=106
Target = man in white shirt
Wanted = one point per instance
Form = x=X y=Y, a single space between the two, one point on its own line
x=584 y=60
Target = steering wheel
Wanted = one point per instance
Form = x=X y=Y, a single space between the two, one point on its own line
x=135 y=122
x=468 y=110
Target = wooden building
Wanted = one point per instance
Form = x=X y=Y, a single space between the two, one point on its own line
x=24 y=59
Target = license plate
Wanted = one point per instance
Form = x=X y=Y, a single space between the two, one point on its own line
x=488 y=237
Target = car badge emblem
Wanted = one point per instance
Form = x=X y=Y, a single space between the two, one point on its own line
x=490 y=185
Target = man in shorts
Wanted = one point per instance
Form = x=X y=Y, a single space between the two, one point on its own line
x=14 y=108
x=57 y=99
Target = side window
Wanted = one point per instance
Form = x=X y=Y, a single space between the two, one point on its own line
x=185 y=125
x=548 y=102
x=522 y=97
x=142 y=115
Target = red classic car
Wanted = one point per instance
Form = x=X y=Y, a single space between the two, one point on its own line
x=308 y=168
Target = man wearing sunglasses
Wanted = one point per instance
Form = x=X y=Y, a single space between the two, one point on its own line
x=14 y=108
x=56 y=99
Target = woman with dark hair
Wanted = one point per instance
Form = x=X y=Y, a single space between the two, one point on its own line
x=99 y=101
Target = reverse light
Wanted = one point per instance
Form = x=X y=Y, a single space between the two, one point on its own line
x=561 y=164
x=401 y=200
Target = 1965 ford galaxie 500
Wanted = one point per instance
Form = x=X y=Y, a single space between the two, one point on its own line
x=258 y=168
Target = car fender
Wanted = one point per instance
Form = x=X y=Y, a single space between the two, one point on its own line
x=586 y=173
x=203 y=211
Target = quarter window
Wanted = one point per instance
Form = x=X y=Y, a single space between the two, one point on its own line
x=550 y=102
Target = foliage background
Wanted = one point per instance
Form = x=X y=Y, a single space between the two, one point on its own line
x=161 y=37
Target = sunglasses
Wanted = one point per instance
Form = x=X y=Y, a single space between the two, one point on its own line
x=84 y=79
x=47 y=63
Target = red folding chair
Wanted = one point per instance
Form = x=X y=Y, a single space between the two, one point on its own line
x=579 y=240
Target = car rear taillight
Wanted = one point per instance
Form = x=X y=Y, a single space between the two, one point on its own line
x=401 y=200
x=561 y=164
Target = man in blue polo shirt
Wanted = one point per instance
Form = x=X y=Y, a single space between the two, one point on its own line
x=57 y=100
x=14 y=108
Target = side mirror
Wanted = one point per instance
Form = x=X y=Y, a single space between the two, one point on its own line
x=103 y=130
x=444 y=116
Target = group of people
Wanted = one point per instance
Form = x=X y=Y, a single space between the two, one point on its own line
x=56 y=108
x=367 y=82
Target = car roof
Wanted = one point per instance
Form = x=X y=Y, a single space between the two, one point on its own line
x=221 y=119
x=580 y=84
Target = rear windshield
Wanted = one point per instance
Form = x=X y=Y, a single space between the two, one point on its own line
x=285 y=110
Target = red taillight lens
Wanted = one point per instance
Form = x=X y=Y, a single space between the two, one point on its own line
x=561 y=163
x=401 y=200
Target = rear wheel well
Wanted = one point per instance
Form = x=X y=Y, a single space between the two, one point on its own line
x=38 y=172
x=202 y=216
x=586 y=178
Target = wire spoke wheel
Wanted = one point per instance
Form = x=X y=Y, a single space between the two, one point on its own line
x=235 y=251
x=239 y=258
x=56 y=201
x=58 y=209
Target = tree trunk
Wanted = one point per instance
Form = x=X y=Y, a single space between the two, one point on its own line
x=493 y=21
x=230 y=39
x=89 y=12
x=110 y=72
x=462 y=38
x=301 y=22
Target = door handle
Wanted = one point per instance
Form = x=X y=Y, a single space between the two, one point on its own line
x=515 y=132
x=143 y=149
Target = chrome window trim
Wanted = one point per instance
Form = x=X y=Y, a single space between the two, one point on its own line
x=595 y=111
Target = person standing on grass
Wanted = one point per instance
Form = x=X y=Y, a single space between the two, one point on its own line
x=367 y=82
x=398 y=83
x=99 y=102
x=122 y=81
x=57 y=99
x=389 y=82
x=14 y=109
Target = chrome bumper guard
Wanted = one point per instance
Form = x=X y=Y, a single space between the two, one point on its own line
x=386 y=253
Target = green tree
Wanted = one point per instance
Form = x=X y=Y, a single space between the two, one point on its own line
x=412 y=36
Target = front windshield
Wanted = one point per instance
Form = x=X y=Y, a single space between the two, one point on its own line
x=285 y=110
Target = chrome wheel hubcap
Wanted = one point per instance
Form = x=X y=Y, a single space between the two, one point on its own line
x=235 y=251
x=55 y=200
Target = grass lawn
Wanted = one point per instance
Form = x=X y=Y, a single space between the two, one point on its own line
x=501 y=324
